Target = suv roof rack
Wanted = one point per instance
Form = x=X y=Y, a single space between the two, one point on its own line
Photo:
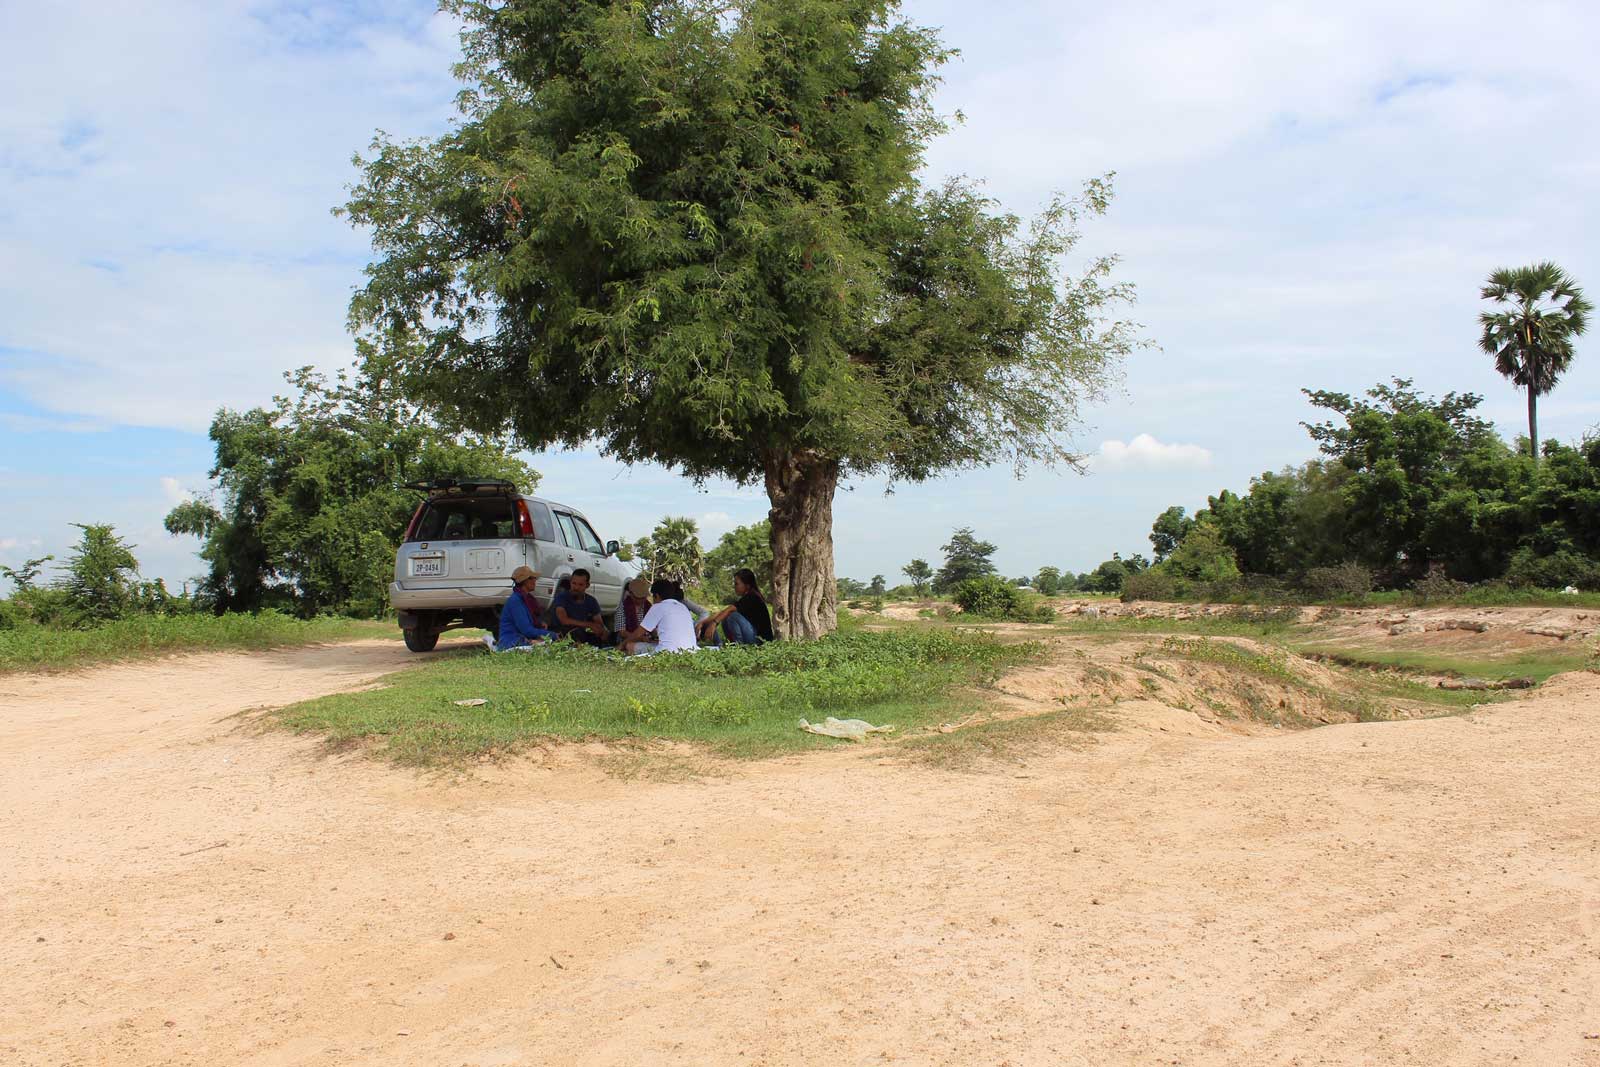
x=461 y=485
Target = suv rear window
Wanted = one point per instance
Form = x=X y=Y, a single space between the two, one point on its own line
x=482 y=519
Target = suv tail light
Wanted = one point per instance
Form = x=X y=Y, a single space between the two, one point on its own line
x=416 y=520
x=524 y=520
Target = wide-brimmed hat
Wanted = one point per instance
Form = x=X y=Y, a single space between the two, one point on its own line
x=522 y=574
x=639 y=587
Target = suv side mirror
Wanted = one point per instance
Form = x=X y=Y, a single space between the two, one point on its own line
x=612 y=548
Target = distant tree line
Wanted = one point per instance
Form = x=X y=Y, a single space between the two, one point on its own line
x=1407 y=486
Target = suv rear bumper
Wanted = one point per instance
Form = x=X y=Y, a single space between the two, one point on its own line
x=465 y=596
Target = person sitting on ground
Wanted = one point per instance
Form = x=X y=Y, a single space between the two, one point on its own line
x=695 y=610
x=519 y=619
x=668 y=620
x=746 y=621
x=578 y=614
x=631 y=608
x=562 y=585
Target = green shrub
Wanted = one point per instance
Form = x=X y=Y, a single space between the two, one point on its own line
x=1556 y=570
x=1343 y=581
x=1157 y=583
x=991 y=597
x=988 y=597
x=1436 y=586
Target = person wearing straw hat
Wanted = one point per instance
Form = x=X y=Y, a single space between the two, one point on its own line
x=519 y=619
x=631 y=608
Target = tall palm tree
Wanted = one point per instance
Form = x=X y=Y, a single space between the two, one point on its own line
x=674 y=550
x=1531 y=338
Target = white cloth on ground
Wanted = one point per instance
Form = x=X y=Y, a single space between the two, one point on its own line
x=848 y=729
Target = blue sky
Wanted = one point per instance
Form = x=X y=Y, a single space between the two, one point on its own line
x=1309 y=195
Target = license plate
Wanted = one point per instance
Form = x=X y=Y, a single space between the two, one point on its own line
x=427 y=568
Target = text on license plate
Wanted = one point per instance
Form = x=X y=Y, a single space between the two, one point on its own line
x=427 y=568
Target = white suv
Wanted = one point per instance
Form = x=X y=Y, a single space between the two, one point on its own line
x=454 y=568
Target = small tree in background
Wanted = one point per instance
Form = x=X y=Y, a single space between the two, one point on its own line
x=675 y=552
x=920 y=574
x=1169 y=530
x=1531 y=340
x=25 y=576
x=878 y=586
x=965 y=557
x=1202 y=557
x=744 y=546
x=102 y=572
x=1047 y=581
x=309 y=508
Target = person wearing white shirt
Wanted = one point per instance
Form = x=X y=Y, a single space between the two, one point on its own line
x=668 y=620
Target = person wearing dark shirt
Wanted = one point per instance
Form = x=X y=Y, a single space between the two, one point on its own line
x=578 y=614
x=747 y=621
x=519 y=619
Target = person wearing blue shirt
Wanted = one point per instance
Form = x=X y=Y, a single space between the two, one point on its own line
x=578 y=614
x=519 y=619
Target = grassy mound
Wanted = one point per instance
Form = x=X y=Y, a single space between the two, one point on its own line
x=737 y=701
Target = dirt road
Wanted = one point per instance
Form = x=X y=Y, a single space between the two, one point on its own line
x=178 y=890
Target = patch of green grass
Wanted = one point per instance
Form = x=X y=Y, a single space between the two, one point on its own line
x=1245 y=622
x=1273 y=664
x=1538 y=664
x=30 y=648
x=736 y=702
x=1006 y=740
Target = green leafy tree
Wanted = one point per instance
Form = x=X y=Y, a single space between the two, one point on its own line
x=1202 y=557
x=964 y=557
x=674 y=550
x=102 y=572
x=878 y=586
x=920 y=574
x=309 y=507
x=1048 y=581
x=1531 y=338
x=1419 y=473
x=744 y=546
x=1169 y=530
x=1109 y=576
x=25 y=576
x=695 y=234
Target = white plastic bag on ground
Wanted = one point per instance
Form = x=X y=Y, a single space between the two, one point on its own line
x=848 y=729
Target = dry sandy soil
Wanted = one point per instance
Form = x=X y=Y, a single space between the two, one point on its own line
x=178 y=888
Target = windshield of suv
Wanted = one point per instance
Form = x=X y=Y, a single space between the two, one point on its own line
x=481 y=519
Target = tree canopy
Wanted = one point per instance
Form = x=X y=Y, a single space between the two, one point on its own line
x=310 y=507
x=694 y=233
x=1542 y=312
x=965 y=557
x=1408 y=484
x=743 y=546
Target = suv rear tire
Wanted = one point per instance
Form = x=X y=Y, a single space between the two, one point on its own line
x=420 y=640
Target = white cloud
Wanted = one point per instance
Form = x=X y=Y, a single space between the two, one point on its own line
x=1145 y=451
x=713 y=524
x=174 y=491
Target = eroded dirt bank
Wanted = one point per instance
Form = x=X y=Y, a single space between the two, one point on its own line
x=177 y=890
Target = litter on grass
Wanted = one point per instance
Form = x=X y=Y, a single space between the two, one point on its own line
x=475 y=702
x=847 y=729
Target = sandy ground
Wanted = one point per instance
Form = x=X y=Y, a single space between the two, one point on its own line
x=177 y=889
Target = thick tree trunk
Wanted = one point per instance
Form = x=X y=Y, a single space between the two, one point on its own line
x=1533 y=424
x=801 y=488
